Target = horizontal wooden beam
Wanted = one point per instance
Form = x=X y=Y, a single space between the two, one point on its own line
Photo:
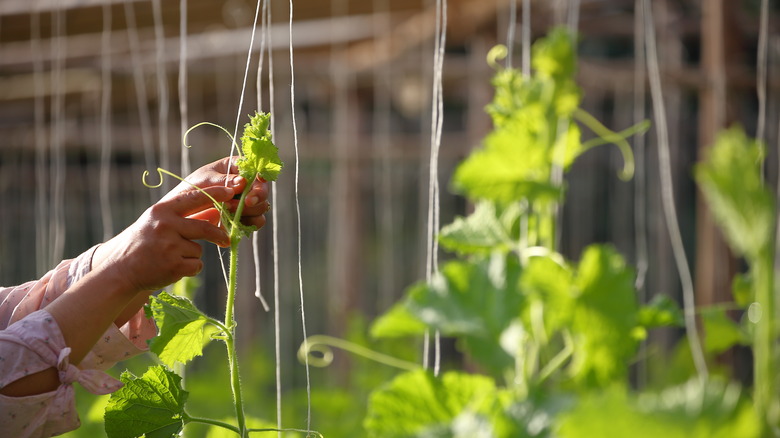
x=20 y=7
x=213 y=44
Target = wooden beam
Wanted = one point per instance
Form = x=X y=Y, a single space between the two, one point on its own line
x=18 y=7
x=215 y=44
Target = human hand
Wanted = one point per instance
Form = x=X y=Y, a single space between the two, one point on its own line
x=159 y=248
x=223 y=172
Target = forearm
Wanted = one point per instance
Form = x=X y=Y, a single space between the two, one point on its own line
x=83 y=314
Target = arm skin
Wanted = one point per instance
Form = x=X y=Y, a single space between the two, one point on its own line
x=155 y=251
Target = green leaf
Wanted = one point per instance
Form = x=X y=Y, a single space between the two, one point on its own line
x=512 y=165
x=482 y=232
x=661 y=311
x=742 y=290
x=183 y=329
x=692 y=410
x=396 y=323
x=720 y=331
x=261 y=157
x=605 y=317
x=476 y=301
x=152 y=405
x=416 y=404
x=553 y=56
x=731 y=181
x=547 y=287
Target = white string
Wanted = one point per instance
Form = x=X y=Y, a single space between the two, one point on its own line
x=640 y=190
x=385 y=212
x=41 y=193
x=763 y=37
x=183 y=106
x=667 y=193
x=574 y=16
x=259 y=85
x=162 y=89
x=140 y=88
x=510 y=33
x=275 y=229
x=243 y=86
x=59 y=49
x=105 y=127
x=437 y=119
x=526 y=38
x=298 y=220
x=640 y=185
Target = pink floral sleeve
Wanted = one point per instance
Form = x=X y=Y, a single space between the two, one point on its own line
x=31 y=341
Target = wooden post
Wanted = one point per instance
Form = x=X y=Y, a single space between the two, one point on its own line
x=714 y=263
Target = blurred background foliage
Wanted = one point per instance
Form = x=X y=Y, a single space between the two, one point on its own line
x=91 y=98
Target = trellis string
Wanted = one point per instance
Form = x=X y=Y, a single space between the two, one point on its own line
x=298 y=220
x=667 y=192
x=140 y=87
x=762 y=67
x=162 y=88
x=59 y=48
x=183 y=101
x=105 y=127
x=41 y=192
x=437 y=118
x=259 y=87
x=275 y=229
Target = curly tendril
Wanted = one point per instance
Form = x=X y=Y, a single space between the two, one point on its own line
x=161 y=175
x=496 y=54
x=323 y=345
x=607 y=136
x=230 y=136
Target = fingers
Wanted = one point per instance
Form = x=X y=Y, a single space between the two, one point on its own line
x=194 y=201
x=195 y=229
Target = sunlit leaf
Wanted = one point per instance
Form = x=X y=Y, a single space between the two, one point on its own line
x=396 y=323
x=730 y=178
x=475 y=301
x=183 y=329
x=605 y=317
x=661 y=311
x=691 y=410
x=151 y=405
x=416 y=404
x=482 y=232
x=720 y=331
x=261 y=157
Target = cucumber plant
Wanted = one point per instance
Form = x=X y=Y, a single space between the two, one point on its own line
x=548 y=341
x=153 y=404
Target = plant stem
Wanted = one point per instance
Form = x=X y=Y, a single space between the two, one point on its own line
x=765 y=385
x=212 y=422
x=235 y=379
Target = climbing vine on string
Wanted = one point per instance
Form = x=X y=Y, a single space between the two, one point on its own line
x=153 y=404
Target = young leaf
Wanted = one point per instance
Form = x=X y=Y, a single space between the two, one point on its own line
x=731 y=180
x=480 y=233
x=151 y=405
x=661 y=311
x=546 y=285
x=396 y=323
x=476 y=301
x=183 y=329
x=720 y=331
x=261 y=157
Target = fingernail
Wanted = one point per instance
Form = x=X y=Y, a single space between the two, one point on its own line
x=237 y=180
x=252 y=201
